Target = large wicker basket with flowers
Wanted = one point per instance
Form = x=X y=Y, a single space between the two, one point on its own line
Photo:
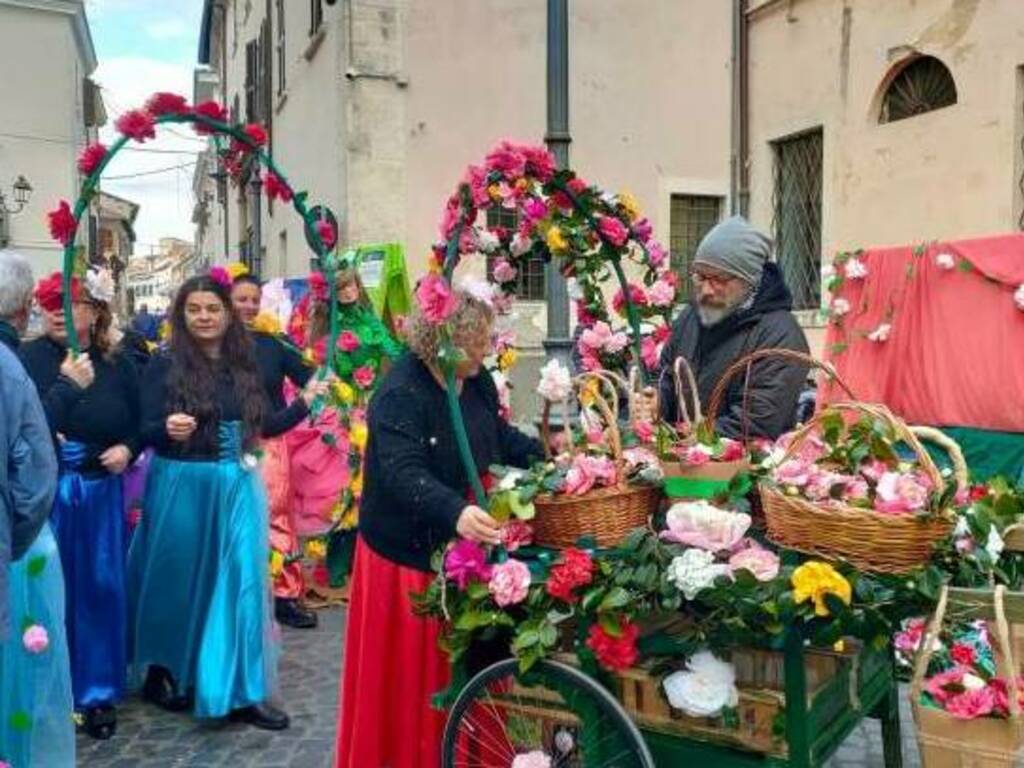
x=893 y=532
x=606 y=514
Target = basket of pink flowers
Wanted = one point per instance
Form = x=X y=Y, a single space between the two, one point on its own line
x=839 y=488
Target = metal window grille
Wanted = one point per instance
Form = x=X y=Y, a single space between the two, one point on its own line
x=690 y=218
x=252 y=50
x=797 y=215
x=316 y=16
x=530 y=283
x=280 y=48
x=923 y=85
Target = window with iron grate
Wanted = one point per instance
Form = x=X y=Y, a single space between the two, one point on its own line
x=922 y=85
x=280 y=49
x=530 y=283
x=797 y=215
x=690 y=217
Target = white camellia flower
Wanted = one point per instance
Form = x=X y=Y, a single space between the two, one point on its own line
x=555 y=381
x=705 y=688
x=972 y=682
x=510 y=480
x=487 y=241
x=945 y=261
x=695 y=570
x=250 y=461
x=840 y=307
x=520 y=244
x=994 y=544
x=99 y=284
x=856 y=270
x=881 y=333
x=1018 y=297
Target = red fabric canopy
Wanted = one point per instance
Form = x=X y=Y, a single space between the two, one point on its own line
x=955 y=350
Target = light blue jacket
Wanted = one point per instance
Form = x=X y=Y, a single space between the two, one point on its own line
x=28 y=469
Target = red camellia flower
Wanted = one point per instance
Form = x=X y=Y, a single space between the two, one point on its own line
x=275 y=188
x=62 y=223
x=363 y=377
x=160 y=104
x=50 y=291
x=327 y=234
x=962 y=654
x=321 y=575
x=978 y=492
x=636 y=293
x=136 y=124
x=257 y=134
x=575 y=570
x=348 y=341
x=318 y=286
x=577 y=186
x=614 y=653
x=212 y=111
x=90 y=158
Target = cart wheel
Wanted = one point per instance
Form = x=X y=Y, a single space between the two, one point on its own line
x=555 y=711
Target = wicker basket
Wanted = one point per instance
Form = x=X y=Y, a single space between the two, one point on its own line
x=866 y=539
x=606 y=515
x=985 y=742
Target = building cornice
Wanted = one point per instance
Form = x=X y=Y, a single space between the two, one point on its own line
x=79 y=24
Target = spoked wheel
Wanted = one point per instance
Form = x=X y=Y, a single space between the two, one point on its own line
x=554 y=716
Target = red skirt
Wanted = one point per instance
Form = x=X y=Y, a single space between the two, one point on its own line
x=392 y=667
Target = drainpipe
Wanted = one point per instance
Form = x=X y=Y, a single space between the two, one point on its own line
x=742 y=31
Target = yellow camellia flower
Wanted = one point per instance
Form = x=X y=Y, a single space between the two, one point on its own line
x=236 y=269
x=343 y=393
x=507 y=359
x=316 y=549
x=494 y=191
x=356 y=486
x=522 y=185
x=266 y=322
x=813 y=580
x=555 y=240
x=276 y=563
x=589 y=393
x=630 y=205
x=357 y=435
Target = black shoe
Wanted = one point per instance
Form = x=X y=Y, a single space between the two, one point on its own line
x=100 y=722
x=262 y=716
x=291 y=614
x=161 y=690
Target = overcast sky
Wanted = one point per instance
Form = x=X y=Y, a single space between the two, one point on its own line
x=144 y=46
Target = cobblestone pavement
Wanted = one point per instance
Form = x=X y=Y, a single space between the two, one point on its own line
x=151 y=738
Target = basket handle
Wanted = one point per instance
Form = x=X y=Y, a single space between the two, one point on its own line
x=952 y=449
x=875 y=411
x=681 y=366
x=612 y=382
x=746 y=363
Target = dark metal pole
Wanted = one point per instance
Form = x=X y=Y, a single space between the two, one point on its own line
x=558 y=343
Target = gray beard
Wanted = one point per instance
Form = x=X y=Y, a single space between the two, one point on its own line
x=712 y=316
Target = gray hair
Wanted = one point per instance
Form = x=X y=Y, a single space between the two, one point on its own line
x=16 y=283
x=470 y=318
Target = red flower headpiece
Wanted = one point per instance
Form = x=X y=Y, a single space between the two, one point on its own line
x=50 y=291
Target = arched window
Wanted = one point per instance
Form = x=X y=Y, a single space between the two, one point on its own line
x=923 y=84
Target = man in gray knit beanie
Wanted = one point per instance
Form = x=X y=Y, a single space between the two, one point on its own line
x=740 y=304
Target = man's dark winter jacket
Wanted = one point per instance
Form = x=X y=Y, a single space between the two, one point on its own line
x=774 y=384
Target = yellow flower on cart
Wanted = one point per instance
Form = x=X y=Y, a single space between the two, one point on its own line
x=507 y=359
x=316 y=549
x=630 y=205
x=556 y=240
x=814 y=580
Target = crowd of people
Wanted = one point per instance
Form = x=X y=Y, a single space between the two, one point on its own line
x=181 y=603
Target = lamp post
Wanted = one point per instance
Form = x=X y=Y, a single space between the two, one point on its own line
x=557 y=343
x=22 y=191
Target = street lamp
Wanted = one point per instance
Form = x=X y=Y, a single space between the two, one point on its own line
x=22 y=192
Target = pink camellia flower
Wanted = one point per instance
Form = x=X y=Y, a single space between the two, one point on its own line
x=466 y=561
x=160 y=104
x=795 y=472
x=602 y=338
x=90 y=158
x=364 y=376
x=504 y=272
x=700 y=524
x=510 y=582
x=63 y=223
x=909 y=640
x=348 y=341
x=220 y=276
x=971 y=704
x=639 y=457
x=873 y=470
x=507 y=159
x=535 y=759
x=534 y=210
x=936 y=685
x=136 y=124
x=328 y=235
x=516 y=534
x=898 y=493
x=650 y=352
x=762 y=563
x=656 y=254
x=539 y=162
x=732 y=450
x=435 y=299
x=1002 y=694
x=661 y=294
x=587 y=472
x=696 y=455
x=643 y=430
x=642 y=230
x=856 y=489
x=613 y=230
x=637 y=295
x=476 y=178
x=819 y=485
x=35 y=639
x=318 y=286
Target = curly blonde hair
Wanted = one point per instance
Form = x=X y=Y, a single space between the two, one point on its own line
x=470 y=318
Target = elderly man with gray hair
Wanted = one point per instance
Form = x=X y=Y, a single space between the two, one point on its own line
x=31 y=580
x=740 y=304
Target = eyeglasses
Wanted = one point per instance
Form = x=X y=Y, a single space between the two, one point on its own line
x=715 y=281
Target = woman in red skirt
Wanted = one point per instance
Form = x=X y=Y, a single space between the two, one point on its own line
x=414 y=502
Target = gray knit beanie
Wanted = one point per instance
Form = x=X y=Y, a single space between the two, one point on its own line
x=735 y=247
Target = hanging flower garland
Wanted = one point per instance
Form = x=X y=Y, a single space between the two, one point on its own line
x=240 y=148
x=588 y=234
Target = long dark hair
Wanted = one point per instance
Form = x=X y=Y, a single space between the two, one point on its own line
x=192 y=384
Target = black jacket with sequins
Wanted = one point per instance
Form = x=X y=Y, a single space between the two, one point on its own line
x=414 y=484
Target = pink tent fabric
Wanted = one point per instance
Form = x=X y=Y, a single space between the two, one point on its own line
x=955 y=351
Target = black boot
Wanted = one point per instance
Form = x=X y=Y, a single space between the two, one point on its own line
x=263 y=716
x=291 y=614
x=161 y=690
x=100 y=722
